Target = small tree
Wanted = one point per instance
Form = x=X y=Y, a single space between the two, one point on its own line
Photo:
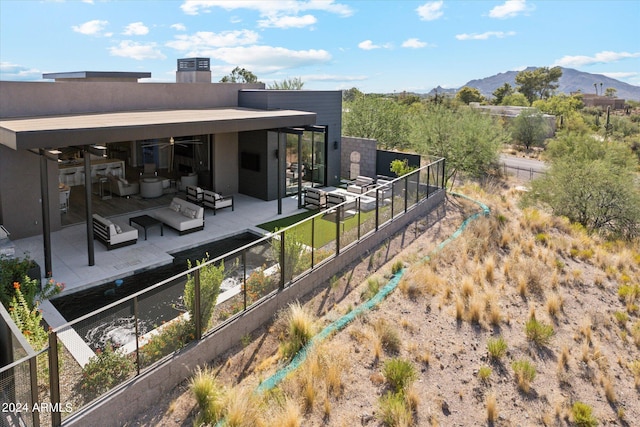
x=293 y=250
x=401 y=167
x=610 y=92
x=211 y=277
x=469 y=94
x=500 y=93
x=530 y=128
x=295 y=83
x=240 y=75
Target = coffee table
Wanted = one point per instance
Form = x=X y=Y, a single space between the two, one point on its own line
x=146 y=221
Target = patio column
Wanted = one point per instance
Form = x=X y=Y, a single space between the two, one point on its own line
x=46 y=220
x=279 y=155
x=300 y=171
x=88 y=207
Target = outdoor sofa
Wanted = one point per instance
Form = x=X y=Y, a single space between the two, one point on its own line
x=361 y=185
x=181 y=215
x=113 y=235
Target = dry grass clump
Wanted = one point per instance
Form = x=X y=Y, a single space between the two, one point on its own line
x=420 y=280
x=492 y=407
x=300 y=329
x=525 y=373
x=497 y=347
x=208 y=395
x=554 y=305
x=388 y=336
x=538 y=332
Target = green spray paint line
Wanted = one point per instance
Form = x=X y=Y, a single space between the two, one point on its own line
x=342 y=322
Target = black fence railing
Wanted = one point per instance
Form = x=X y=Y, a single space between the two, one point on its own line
x=152 y=324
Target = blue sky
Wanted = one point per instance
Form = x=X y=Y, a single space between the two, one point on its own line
x=375 y=46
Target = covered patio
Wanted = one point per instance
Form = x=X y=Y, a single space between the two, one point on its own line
x=68 y=245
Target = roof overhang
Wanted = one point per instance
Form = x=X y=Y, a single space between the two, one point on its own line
x=102 y=128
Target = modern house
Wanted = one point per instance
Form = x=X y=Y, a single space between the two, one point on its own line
x=227 y=137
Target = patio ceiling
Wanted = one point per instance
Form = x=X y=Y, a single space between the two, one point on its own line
x=102 y=128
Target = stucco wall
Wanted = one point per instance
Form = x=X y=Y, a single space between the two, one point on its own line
x=26 y=99
x=225 y=169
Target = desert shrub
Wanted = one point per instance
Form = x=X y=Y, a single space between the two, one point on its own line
x=629 y=293
x=28 y=319
x=525 y=373
x=582 y=415
x=484 y=373
x=211 y=278
x=300 y=330
x=397 y=267
x=293 y=253
x=538 y=332
x=497 y=347
x=208 y=395
x=373 y=286
x=388 y=335
x=399 y=373
x=621 y=317
x=105 y=370
x=14 y=270
x=172 y=337
x=395 y=410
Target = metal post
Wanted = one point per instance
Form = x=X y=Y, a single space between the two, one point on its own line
x=196 y=303
x=443 y=165
x=282 y=266
x=135 y=319
x=313 y=239
x=299 y=172
x=378 y=207
x=338 y=215
x=428 y=179
x=393 y=198
x=406 y=193
x=54 y=378
x=88 y=206
x=33 y=374
x=244 y=277
x=359 y=211
x=46 y=220
x=278 y=155
x=418 y=186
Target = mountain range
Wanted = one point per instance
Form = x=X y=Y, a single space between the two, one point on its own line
x=571 y=81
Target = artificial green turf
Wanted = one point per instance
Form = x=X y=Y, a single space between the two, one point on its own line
x=325 y=229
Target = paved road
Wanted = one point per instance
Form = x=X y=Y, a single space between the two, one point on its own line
x=519 y=162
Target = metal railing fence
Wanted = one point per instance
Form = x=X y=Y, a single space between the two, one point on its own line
x=78 y=374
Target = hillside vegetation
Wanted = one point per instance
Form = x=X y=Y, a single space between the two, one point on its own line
x=524 y=319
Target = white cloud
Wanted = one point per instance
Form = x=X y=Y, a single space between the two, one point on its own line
x=87 y=1
x=267 y=7
x=265 y=59
x=139 y=51
x=136 y=29
x=179 y=27
x=485 y=35
x=368 y=45
x=510 y=9
x=206 y=40
x=15 y=72
x=287 y=21
x=91 y=28
x=603 y=57
x=431 y=10
x=414 y=43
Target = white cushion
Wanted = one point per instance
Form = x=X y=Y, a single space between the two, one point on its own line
x=189 y=213
x=175 y=206
x=118 y=229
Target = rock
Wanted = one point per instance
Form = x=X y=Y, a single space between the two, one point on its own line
x=445 y=408
x=365 y=419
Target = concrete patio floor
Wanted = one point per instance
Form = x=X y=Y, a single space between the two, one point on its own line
x=69 y=245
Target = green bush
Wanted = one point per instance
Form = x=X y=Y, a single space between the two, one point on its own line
x=27 y=318
x=497 y=347
x=582 y=415
x=399 y=373
x=525 y=373
x=105 y=370
x=173 y=336
x=397 y=267
x=14 y=270
x=538 y=332
x=211 y=278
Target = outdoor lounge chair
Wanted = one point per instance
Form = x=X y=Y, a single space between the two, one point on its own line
x=195 y=194
x=216 y=201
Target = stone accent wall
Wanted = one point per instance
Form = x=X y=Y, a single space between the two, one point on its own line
x=358 y=157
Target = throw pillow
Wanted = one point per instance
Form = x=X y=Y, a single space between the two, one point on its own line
x=175 y=207
x=124 y=181
x=189 y=213
x=118 y=229
x=216 y=196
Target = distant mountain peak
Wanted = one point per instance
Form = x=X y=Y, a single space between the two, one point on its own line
x=571 y=81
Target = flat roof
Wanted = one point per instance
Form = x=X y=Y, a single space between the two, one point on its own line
x=97 y=74
x=85 y=129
